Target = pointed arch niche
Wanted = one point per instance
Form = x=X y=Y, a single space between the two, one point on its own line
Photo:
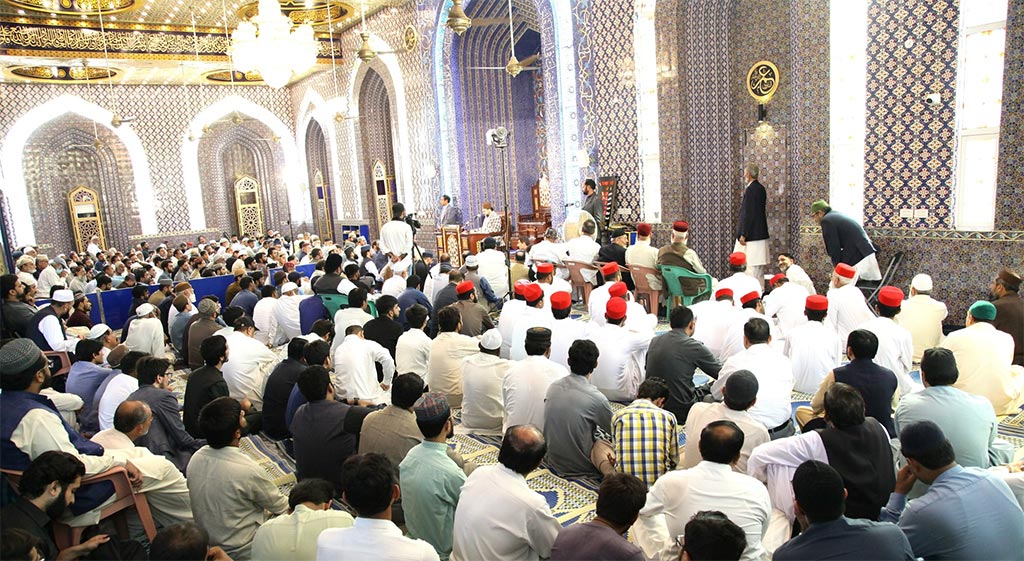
x=321 y=188
x=125 y=153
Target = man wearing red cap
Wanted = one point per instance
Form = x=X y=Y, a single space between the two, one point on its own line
x=599 y=296
x=564 y=329
x=474 y=316
x=812 y=346
x=739 y=281
x=511 y=313
x=549 y=283
x=752 y=238
x=678 y=254
x=623 y=354
x=641 y=253
x=713 y=318
x=895 y=343
x=786 y=303
x=534 y=315
x=550 y=251
x=847 y=307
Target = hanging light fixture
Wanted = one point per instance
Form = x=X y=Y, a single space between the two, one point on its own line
x=513 y=67
x=268 y=44
x=458 y=21
x=365 y=52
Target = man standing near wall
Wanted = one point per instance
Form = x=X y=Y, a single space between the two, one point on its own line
x=846 y=241
x=752 y=238
x=593 y=204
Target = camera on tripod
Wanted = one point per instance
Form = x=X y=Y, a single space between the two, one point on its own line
x=410 y=219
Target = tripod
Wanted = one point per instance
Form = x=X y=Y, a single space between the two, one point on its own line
x=499 y=139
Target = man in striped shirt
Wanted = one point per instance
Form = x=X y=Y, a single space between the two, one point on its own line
x=646 y=440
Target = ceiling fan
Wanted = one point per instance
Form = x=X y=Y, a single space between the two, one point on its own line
x=514 y=66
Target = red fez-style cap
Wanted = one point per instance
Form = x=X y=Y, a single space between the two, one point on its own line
x=753 y=295
x=545 y=268
x=777 y=278
x=533 y=292
x=610 y=269
x=561 y=300
x=738 y=258
x=643 y=229
x=618 y=289
x=723 y=292
x=890 y=296
x=616 y=308
x=464 y=287
x=816 y=302
x=845 y=271
x=680 y=226
x=519 y=286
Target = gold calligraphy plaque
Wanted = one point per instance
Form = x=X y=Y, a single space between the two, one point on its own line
x=763 y=81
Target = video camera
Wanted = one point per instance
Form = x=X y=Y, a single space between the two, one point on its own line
x=410 y=219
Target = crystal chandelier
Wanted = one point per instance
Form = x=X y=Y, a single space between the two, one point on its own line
x=268 y=45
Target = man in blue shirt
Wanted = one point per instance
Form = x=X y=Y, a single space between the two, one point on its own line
x=967 y=513
x=827 y=534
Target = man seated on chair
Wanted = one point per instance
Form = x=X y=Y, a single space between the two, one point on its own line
x=615 y=251
x=677 y=254
x=30 y=426
x=583 y=248
x=45 y=491
x=492 y=221
x=643 y=254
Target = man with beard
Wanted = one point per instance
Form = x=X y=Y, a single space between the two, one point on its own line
x=47 y=488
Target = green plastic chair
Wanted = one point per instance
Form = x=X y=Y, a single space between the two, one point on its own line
x=674 y=285
x=373 y=307
x=334 y=302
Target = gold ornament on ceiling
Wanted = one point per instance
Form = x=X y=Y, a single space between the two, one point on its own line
x=226 y=76
x=300 y=12
x=75 y=7
x=458 y=21
x=63 y=73
x=763 y=81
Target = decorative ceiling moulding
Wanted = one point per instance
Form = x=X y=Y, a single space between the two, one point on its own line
x=240 y=78
x=63 y=74
x=75 y=7
x=300 y=12
x=21 y=36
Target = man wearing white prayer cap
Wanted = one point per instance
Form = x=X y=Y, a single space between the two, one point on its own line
x=104 y=334
x=286 y=310
x=922 y=315
x=482 y=377
x=46 y=328
x=147 y=332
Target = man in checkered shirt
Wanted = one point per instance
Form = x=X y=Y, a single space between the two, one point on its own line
x=646 y=442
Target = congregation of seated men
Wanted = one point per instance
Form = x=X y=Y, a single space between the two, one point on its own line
x=366 y=399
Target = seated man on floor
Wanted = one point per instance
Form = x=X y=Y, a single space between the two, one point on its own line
x=645 y=434
x=293 y=536
x=370 y=487
x=482 y=377
x=827 y=534
x=738 y=395
x=230 y=492
x=578 y=418
x=167 y=436
x=855 y=444
x=619 y=500
x=712 y=484
x=984 y=357
x=321 y=443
